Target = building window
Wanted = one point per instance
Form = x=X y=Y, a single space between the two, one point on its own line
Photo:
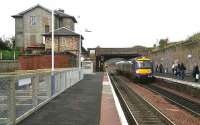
x=33 y=20
x=46 y=28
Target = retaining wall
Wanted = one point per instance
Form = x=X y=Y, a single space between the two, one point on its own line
x=9 y=65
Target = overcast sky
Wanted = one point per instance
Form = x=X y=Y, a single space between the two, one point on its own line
x=118 y=23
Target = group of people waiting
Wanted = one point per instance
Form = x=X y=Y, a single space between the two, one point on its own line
x=178 y=70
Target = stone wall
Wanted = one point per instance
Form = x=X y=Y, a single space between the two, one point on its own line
x=180 y=52
x=33 y=33
x=64 y=43
x=8 y=65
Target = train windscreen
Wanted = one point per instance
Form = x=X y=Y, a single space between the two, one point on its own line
x=143 y=64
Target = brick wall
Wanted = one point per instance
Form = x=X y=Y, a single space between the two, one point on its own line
x=44 y=61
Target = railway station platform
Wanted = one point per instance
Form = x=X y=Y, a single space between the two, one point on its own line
x=187 y=81
x=91 y=101
x=186 y=86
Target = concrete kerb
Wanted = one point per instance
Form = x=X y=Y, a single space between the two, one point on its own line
x=121 y=114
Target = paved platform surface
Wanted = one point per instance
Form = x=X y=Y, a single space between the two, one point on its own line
x=188 y=77
x=109 y=112
x=78 y=105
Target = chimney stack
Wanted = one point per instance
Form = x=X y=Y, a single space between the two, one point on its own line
x=61 y=10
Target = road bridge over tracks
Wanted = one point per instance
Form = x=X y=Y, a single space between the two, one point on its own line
x=104 y=54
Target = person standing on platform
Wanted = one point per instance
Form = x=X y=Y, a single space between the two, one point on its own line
x=157 y=68
x=161 y=68
x=195 y=73
x=182 y=71
x=178 y=73
x=173 y=68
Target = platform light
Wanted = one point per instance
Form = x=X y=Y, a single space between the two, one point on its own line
x=189 y=56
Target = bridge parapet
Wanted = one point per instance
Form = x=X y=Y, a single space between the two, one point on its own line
x=107 y=51
x=22 y=93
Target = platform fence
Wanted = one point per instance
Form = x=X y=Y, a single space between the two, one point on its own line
x=22 y=93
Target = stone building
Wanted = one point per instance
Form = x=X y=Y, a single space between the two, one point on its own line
x=65 y=40
x=187 y=52
x=33 y=22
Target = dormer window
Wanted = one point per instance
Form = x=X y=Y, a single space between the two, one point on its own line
x=33 y=20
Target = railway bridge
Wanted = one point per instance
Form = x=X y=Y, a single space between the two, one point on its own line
x=104 y=54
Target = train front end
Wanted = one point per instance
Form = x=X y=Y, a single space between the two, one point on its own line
x=143 y=68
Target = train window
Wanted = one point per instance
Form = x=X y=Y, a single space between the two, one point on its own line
x=143 y=64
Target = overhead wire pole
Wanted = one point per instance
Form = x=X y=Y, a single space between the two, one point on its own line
x=52 y=55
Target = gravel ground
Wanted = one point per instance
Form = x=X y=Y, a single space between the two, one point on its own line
x=173 y=112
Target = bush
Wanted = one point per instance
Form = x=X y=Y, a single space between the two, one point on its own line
x=9 y=54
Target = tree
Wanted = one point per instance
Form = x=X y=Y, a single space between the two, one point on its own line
x=13 y=41
x=194 y=38
x=163 y=43
x=3 y=45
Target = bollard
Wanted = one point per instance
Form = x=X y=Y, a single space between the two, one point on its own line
x=12 y=101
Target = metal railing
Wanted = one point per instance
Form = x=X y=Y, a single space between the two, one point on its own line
x=22 y=93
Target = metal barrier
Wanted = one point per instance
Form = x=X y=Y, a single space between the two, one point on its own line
x=23 y=93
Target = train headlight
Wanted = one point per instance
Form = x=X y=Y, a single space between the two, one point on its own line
x=137 y=71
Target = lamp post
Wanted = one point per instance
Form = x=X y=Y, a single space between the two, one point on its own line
x=80 y=43
x=52 y=55
x=79 y=54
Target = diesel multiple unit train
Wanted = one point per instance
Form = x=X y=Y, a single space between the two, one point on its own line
x=138 y=68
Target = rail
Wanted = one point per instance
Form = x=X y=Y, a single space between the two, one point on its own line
x=22 y=93
x=139 y=110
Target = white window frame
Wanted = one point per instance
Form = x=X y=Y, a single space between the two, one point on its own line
x=33 y=20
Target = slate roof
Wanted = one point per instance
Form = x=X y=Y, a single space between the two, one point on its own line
x=63 y=31
x=57 y=13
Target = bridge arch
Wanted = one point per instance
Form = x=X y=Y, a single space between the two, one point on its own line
x=104 y=54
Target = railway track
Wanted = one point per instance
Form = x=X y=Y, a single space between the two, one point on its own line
x=137 y=110
x=185 y=103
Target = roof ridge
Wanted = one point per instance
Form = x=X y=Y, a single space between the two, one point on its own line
x=33 y=7
x=59 y=13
